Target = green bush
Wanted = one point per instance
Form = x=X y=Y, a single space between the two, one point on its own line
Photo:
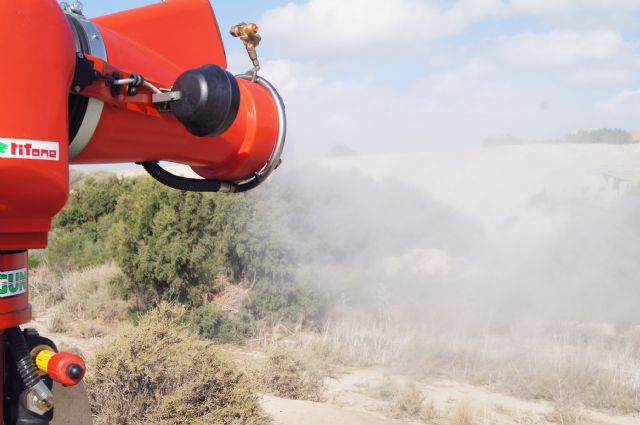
x=288 y=302
x=164 y=242
x=212 y=323
x=91 y=205
x=175 y=244
x=613 y=136
x=74 y=250
x=80 y=230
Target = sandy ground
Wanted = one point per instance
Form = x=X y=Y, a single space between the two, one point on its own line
x=295 y=412
x=348 y=404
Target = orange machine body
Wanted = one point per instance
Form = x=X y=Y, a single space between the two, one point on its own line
x=38 y=62
x=14 y=291
x=134 y=43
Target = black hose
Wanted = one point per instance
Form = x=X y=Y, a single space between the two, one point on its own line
x=20 y=352
x=182 y=183
x=198 y=185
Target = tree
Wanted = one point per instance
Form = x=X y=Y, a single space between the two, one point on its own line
x=600 y=136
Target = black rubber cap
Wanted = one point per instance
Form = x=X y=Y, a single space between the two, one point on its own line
x=75 y=371
x=210 y=100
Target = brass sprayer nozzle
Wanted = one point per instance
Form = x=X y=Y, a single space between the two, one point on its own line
x=248 y=33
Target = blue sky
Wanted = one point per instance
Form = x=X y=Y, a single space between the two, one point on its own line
x=386 y=76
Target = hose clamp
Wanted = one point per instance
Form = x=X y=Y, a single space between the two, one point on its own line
x=276 y=155
x=95 y=107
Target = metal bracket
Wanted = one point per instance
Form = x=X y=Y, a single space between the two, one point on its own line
x=166 y=97
x=75 y=8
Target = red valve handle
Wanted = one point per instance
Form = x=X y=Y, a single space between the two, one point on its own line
x=65 y=368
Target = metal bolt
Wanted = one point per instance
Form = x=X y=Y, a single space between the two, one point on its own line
x=44 y=405
x=76 y=7
x=77 y=89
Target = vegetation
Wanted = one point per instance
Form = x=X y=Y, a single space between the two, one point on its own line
x=601 y=136
x=406 y=400
x=80 y=230
x=286 y=374
x=175 y=246
x=79 y=301
x=123 y=248
x=157 y=372
x=213 y=323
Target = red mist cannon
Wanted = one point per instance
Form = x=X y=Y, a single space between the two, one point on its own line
x=141 y=86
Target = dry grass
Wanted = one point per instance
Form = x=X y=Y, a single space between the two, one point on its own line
x=58 y=323
x=569 y=414
x=462 y=414
x=85 y=298
x=594 y=366
x=158 y=373
x=287 y=374
x=406 y=401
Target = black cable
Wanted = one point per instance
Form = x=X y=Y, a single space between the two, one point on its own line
x=22 y=357
x=181 y=183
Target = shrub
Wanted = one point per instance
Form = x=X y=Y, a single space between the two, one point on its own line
x=603 y=135
x=286 y=375
x=80 y=230
x=58 y=322
x=158 y=373
x=176 y=244
x=406 y=400
x=286 y=302
x=462 y=414
x=93 y=200
x=212 y=323
x=73 y=250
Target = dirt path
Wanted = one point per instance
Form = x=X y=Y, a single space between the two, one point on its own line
x=349 y=403
x=294 y=412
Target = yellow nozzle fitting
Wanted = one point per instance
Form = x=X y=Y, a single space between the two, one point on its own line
x=248 y=33
x=42 y=360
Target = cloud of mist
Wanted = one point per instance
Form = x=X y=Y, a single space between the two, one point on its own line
x=476 y=237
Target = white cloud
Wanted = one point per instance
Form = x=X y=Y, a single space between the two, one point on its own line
x=551 y=8
x=334 y=27
x=570 y=57
x=624 y=106
x=560 y=48
x=342 y=86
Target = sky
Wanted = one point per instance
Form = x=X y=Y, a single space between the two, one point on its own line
x=398 y=76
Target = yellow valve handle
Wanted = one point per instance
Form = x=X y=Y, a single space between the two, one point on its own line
x=42 y=360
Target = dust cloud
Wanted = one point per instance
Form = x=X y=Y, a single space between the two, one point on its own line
x=480 y=237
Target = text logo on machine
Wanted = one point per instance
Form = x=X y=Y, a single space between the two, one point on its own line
x=29 y=149
x=13 y=283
